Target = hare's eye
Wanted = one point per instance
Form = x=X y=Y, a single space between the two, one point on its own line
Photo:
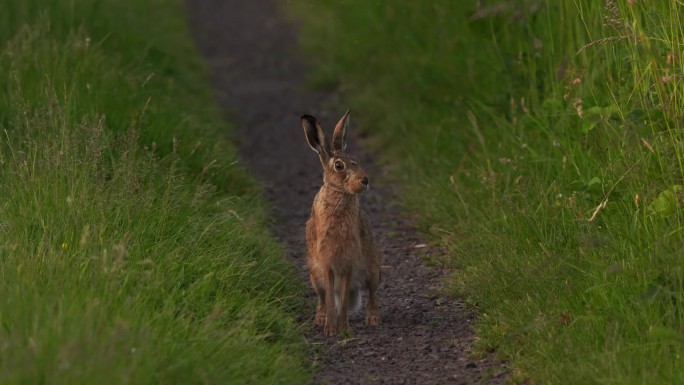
x=339 y=165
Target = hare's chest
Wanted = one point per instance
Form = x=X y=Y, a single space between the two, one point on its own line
x=340 y=244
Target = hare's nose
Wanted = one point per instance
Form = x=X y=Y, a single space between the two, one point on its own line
x=365 y=181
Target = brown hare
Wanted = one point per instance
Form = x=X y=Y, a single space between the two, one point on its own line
x=342 y=256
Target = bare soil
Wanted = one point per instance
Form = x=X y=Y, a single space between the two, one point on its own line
x=258 y=77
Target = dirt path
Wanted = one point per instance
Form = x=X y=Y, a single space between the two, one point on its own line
x=425 y=338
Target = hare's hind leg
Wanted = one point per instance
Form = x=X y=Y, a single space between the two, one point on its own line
x=372 y=313
x=320 y=306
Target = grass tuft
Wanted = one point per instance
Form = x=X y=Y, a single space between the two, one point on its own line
x=133 y=249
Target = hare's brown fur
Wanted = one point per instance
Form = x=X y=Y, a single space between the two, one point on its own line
x=342 y=256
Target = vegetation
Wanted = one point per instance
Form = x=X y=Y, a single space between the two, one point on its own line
x=542 y=142
x=132 y=248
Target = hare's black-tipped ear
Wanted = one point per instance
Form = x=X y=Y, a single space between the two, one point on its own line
x=316 y=137
x=340 y=133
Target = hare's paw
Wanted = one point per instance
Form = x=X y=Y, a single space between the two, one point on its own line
x=372 y=318
x=330 y=330
x=320 y=318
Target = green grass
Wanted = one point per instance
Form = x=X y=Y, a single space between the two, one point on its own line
x=132 y=248
x=541 y=142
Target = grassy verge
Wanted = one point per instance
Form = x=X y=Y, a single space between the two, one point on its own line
x=541 y=142
x=132 y=248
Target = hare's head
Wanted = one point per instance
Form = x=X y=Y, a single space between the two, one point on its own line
x=341 y=171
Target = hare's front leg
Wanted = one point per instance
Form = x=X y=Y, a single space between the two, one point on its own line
x=331 y=327
x=320 y=306
x=343 y=295
x=372 y=313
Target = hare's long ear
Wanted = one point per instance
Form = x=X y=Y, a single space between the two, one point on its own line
x=316 y=137
x=340 y=133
